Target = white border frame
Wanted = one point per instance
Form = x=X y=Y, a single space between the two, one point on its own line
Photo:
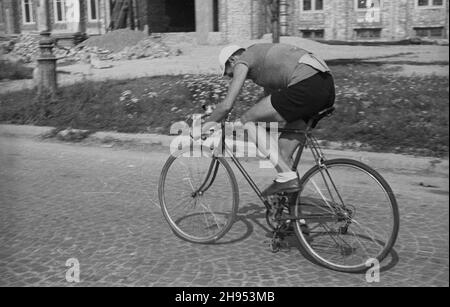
x=313 y=7
x=55 y=11
x=89 y=11
x=429 y=6
x=32 y=21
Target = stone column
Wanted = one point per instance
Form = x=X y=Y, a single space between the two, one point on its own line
x=204 y=20
x=46 y=80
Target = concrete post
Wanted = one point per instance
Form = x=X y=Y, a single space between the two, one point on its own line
x=46 y=66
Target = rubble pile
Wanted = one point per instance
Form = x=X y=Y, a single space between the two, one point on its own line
x=114 y=46
x=115 y=41
x=25 y=48
x=146 y=48
x=6 y=46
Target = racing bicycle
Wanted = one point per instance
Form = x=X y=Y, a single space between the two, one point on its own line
x=344 y=215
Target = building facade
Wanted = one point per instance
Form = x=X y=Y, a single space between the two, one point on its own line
x=60 y=16
x=229 y=20
x=351 y=20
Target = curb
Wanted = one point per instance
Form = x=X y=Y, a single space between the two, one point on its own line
x=377 y=160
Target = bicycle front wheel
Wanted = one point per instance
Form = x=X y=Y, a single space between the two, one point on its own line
x=351 y=215
x=198 y=195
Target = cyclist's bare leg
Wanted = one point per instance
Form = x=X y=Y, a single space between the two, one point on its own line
x=263 y=111
x=288 y=142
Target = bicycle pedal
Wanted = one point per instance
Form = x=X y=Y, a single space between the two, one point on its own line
x=274 y=245
x=279 y=245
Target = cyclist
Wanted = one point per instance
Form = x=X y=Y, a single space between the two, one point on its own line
x=297 y=85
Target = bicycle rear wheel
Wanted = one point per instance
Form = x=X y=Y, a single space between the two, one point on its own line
x=350 y=212
x=198 y=195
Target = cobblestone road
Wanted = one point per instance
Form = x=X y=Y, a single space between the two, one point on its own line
x=99 y=205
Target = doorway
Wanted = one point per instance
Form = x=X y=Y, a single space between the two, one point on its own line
x=181 y=14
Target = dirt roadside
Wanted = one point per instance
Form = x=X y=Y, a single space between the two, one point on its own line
x=392 y=162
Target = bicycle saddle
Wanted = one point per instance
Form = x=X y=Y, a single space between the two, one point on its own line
x=316 y=118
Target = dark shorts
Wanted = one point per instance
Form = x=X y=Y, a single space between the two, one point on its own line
x=305 y=98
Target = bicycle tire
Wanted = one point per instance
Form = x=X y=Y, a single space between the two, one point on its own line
x=170 y=220
x=306 y=240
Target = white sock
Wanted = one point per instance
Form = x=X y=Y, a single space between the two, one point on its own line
x=285 y=177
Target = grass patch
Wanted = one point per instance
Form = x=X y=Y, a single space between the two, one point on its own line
x=400 y=114
x=386 y=113
x=14 y=71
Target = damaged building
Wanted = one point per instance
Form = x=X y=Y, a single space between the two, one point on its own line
x=221 y=21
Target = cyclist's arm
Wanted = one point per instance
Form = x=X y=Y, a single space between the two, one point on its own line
x=222 y=109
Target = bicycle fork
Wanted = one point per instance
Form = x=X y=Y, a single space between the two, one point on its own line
x=209 y=178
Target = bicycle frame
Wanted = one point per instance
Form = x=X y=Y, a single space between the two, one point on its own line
x=224 y=149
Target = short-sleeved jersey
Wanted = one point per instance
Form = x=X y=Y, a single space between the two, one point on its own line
x=275 y=66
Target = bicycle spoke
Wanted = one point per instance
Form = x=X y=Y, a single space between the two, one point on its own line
x=204 y=216
x=195 y=218
x=367 y=232
x=213 y=215
x=323 y=197
x=360 y=243
x=351 y=240
x=182 y=203
x=329 y=233
x=190 y=183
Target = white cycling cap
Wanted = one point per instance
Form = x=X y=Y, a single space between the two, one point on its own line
x=225 y=55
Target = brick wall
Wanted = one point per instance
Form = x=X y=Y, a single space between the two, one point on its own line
x=258 y=16
x=357 y=20
x=340 y=18
x=241 y=20
x=238 y=19
x=430 y=17
x=223 y=26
